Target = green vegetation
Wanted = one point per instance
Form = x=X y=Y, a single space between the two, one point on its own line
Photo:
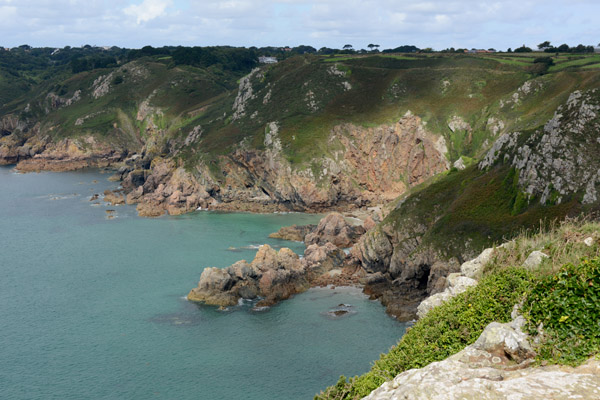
x=445 y=330
x=565 y=305
x=565 y=299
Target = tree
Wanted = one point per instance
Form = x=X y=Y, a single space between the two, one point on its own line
x=523 y=49
x=347 y=47
x=371 y=46
x=544 y=45
x=563 y=48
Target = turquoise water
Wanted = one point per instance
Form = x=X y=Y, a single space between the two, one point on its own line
x=94 y=308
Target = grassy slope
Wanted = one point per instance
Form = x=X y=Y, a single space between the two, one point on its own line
x=551 y=293
x=384 y=88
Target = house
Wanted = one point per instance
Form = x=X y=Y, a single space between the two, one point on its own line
x=267 y=60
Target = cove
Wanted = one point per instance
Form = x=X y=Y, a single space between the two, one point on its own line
x=92 y=304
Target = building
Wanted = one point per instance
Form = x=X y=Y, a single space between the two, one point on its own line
x=267 y=60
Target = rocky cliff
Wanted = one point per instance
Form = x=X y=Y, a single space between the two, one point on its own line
x=526 y=177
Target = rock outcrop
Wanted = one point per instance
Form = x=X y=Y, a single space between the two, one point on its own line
x=558 y=160
x=275 y=275
x=377 y=165
x=272 y=276
x=336 y=230
x=494 y=367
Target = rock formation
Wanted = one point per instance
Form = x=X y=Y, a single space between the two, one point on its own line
x=336 y=230
x=271 y=277
x=493 y=368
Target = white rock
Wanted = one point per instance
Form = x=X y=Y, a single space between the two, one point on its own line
x=456 y=284
x=471 y=268
x=589 y=241
x=459 y=164
x=535 y=259
x=485 y=370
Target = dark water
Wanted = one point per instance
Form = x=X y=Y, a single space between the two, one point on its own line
x=94 y=308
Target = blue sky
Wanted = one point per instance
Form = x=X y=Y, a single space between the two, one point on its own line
x=332 y=23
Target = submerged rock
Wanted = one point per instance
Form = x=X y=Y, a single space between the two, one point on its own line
x=294 y=232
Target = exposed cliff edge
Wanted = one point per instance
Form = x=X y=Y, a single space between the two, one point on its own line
x=526 y=177
x=524 y=327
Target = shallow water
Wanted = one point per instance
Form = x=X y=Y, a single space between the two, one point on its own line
x=94 y=308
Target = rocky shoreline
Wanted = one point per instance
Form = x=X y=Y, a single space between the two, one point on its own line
x=277 y=275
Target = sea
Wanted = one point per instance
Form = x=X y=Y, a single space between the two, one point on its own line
x=93 y=303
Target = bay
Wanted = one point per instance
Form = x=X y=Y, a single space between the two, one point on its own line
x=92 y=304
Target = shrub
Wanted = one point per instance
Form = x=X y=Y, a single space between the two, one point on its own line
x=566 y=307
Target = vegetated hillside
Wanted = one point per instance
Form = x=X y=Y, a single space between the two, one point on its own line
x=293 y=135
x=558 y=299
x=526 y=178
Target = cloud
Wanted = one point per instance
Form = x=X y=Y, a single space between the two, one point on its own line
x=332 y=23
x=148 y=10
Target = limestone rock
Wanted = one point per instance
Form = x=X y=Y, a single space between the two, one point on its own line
x=459 y=164
x=456 y=284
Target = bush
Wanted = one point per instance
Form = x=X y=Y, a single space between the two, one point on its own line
x=444 y=331
x=566 y=306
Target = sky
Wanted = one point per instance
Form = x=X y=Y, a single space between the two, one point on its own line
x=438 y=24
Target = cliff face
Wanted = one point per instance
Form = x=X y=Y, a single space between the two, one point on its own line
x=526 y=177
x=372 y=165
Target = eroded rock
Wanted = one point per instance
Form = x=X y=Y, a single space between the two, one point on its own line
x=336 y=230
x=495 y=367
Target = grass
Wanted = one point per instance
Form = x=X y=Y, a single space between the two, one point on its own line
x=563 y=312
x=580 y=62
x=561 y=241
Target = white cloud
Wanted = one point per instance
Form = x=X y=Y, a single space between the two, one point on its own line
x=332 y=23
x=148 y=10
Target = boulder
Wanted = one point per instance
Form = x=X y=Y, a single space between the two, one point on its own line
x=472 y=267
x=320 y=260
x=113 y=198
x=456 y=284
x=534 y=259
